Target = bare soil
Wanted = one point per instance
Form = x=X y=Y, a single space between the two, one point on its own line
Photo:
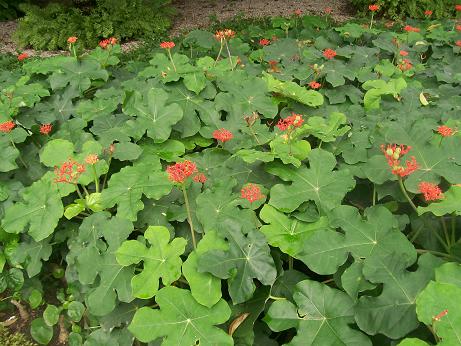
x=193 y=14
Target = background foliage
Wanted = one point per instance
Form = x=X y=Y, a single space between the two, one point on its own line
x=335 y=250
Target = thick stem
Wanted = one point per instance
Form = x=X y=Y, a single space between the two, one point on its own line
x=290 y=262
x=96 y=180
x=404 y=191
x=189 y=216
x=171 y=59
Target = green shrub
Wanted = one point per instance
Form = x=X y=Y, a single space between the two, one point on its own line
x=9 y=9
x=49 y=27
x=408 y=8
x=8 y=338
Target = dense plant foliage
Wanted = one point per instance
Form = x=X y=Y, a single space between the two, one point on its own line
x=409 y=8
x=49 y=27
x=292 y=185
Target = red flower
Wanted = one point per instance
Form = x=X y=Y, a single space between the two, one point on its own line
x=430 y=191
x=373 y=8
x=315 y=85
x=409 y=28
x=298 y=12
x=46 y=129
x=393 y=153
x=264 y=42
x=92 y=159
x=108 y=41
x=458 y=8
x=180 y=171
x=167 y=45
x=228 y=33
x=69 y=172
x=72 y=39
x=329 y=53
x=23 y=56
x=458 y=28
x=328 y=10
x=222 y=135
x=251 y=192
x=405 y=65
x=403 y=53
x=440 y=315
x=200 y=178
x=428 y=13
x=458 y=43
x=294 y=120
x=445 y=131
x=7 y=126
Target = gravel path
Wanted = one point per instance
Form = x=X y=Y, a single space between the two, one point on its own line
x=194 y=14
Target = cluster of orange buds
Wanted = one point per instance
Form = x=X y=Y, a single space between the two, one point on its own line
x=225 y=34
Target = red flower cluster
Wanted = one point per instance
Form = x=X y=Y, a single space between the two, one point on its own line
x=23 y=56
x=92 y=159
x=294 y=120
x=458 y=28
x=69 y=172
x=264 y=42
x=458 y=8
x=72 y=39
x=200 y=178
x=251 y=192
x=445 y=131
x=315 y=85
x=430 y=191
x=405 y=65
x=224 y=34
x=409 y=28
x=222 y=135
x=428 y=13
x=373 y=8
x=108 y=42
x=298 y=12
x=7 y=126
x=167 y=45
x=328 y=10
x=180 y=171
x=393 y=154
x=329 y=53
x=458 y=43
x=403 y=53
x=46 y=129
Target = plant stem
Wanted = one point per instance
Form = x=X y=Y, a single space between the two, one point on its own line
x=189 y=216
x=78 y=191
x=371 y=23
x=437 y=253
x=254 y=135
x=105 y=176
x=219 y=53
x=453 y=228
x=171 y=59
x=19 y=156
x=276 y=298
x=229 y=55
x=290 y=262
x=85 y=190
x=445 y=232
x=418 y=231
x=442 y=242
x=404 y=191
x=96 y=180
x=374 y=195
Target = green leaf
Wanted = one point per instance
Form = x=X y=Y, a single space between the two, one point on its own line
x=326 y=130
x=161 y=260
x=75 y=311
x=127 y=151
x=293 y=152
x=378 y=235
x=152 y=113
x=39 y=212
x=393 y=312
x=412 y=342
x=205 y=288
x=292 y=90
x=51 y=315
x=319 y=183
x=248 y=258
x=449 y=204
x=35 y=299
x=31 y=254
x=195 y=82
x=126 y=188
x=287 y=233
x=378 y=88
x=321 y=316
x=181 y=320
x=40 y=331
x=437 y=298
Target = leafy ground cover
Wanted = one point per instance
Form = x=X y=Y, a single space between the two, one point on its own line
x=297 y=184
